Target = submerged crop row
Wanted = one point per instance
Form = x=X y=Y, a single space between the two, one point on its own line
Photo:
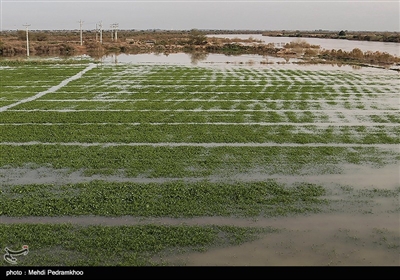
x=205 y=104
x=197 y=133
x=118 y=116
x=144 y=145
x=191 y=161
x=195 y=116
x=176 y=199
x=206 y=88
x=96 y=245
x=273 y=100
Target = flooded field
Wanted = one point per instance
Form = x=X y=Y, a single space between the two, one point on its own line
x=328 y=44
x=140 y=162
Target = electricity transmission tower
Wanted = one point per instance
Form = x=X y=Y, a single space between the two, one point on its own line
x=80 y=23
x=27 y=39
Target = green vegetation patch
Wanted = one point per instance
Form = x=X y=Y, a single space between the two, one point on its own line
x=72 y=245
x=172 y=199
x=196 y=133
x=189 y=161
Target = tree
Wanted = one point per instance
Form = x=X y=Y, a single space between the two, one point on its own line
x=197 y=37
x=342 y=33
x=357 y=53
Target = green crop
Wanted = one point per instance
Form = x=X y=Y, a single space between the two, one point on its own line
x=73 y=245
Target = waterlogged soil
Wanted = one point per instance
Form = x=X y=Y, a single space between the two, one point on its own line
x=353 y=229
x=317 y=240
x=357 y=176
x=356 y=227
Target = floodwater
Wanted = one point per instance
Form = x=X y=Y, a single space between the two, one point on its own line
x=357 y=176
x=193 y=59
x=328 y=44
x=225 y=61
x=354 y=231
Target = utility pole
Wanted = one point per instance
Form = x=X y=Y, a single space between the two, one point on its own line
x=112 y=32
x=80 y=23
x=114 y=27
x=27 y=39
x=101 y=33
x=96 y=31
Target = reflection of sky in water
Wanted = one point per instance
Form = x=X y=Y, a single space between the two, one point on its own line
x=254 y=60
x=184 y=58
x=329 y=44
x=226 y=61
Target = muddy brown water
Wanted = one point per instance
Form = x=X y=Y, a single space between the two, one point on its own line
x=357 y=176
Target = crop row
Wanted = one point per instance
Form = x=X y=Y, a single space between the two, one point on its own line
x=37 y=75
x=207 y=86
x=211 y=93
x=164 y=72
x=119 y=103
x=132 y=104
x=139 y=245
x=131 y=116
x=197 y=133
x=173 y=199
x=169 y=105
x=104 y=116
x=191 y=161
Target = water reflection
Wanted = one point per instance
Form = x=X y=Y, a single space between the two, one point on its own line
x=212 y=59
x=329 y=44
x=195 y=58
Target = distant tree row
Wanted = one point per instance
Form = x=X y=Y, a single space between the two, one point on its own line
x=356 y=54
x=33 y=36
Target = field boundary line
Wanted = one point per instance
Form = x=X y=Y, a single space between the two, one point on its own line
x=52 y=89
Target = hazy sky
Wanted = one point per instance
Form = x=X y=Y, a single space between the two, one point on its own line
x=364 y=15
